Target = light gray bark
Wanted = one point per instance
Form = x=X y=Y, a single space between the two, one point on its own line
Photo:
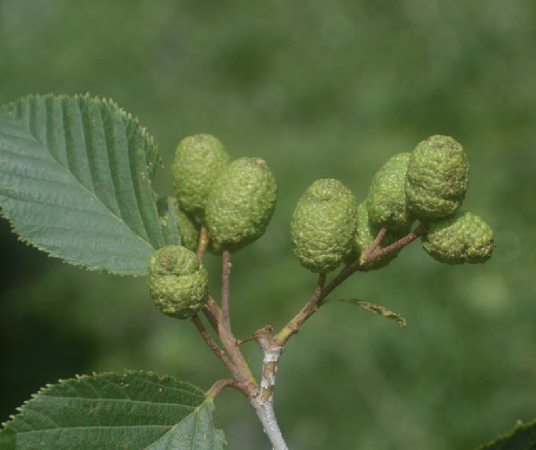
x=263 y=402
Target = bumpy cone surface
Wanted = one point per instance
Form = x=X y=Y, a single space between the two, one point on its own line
x=188 y=229
x=199 y=161
x=460 y=238
x=437 y=178
x=366 y=233
x=178 y=281
x=324 y=225
x=241 y=204
x=386 y=201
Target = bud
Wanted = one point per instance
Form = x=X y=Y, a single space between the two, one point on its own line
x=386 y=201
x=199 y=160
x=178 y=281
x=241 y=204
x=460 y=238
x=366 y=234
x=437 y=178
x=323 y=225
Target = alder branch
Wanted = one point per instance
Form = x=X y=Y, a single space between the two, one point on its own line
x=316 y=301
x=226 y=274
x=376 y=242
x=398 y=244
x=213 y=346
x=263 y=401
x=221 y=384
x=307 y=311
x=214 y=315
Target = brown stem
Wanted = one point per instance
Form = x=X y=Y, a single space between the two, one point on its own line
x=310 y=308
x=213 y=346
x=231 y=345
x=213 y=313
x=221 y=384
x=203 y=242
x=214 y=316
x=375 y=244
x=307 y=311
x=398 y=244
x=264 y=331
x=226 y=274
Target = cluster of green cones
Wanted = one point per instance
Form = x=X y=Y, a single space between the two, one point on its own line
x=427 y=185
x=233 y=201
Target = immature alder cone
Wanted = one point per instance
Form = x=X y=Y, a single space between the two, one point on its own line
x=386 y=201
x=437 y=178
x=199 y=160
x=324 y=225
x=460 y=238
x=241 y=204
x=366 y=234
x=178 y=281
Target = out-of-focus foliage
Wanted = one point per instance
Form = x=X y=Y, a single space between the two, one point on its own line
x=520 y=438
x=320 y=90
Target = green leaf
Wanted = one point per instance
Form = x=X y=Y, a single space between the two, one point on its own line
x=75 y=181
x=377 y=309
x=522 y=437
x=134 y=411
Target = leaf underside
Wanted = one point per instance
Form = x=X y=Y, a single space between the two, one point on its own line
x=134 y=411
x=522 y=437
x=75 y=181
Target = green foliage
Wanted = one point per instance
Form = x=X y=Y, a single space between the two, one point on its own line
x=437 y=178
x=178 y=282
x=135 y=411
x=460 y=238
x=324 y=225
x=386 y=200
x=241 y=203
x=199 y=161
x=76 y=182
x=522 y=437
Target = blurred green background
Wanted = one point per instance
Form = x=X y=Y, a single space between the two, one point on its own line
x=319 y=89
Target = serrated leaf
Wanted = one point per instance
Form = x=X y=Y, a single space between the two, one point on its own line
x=134 y=411
x=75 y=181
x=522 y=437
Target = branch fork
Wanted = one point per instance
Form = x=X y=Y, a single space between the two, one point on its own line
x=261 y=396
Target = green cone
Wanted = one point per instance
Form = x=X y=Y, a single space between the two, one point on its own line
x=386 y=201
x=199 y=161
x=460 y=238
x=241 y=204
x=178 y=282
x=323 y=225
x=437 y=178
x=366 y=233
